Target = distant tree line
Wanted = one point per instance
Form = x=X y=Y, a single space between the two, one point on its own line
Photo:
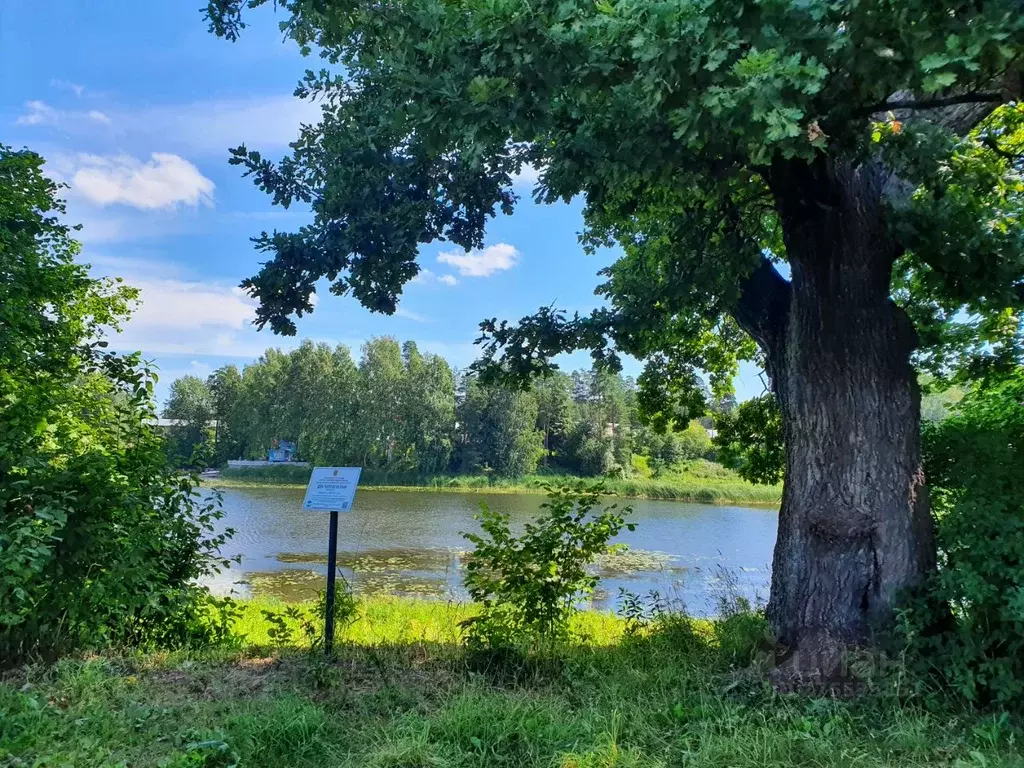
x=400 y=410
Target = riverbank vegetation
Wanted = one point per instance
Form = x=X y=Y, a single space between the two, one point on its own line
x=698 y=481
x=403 y=692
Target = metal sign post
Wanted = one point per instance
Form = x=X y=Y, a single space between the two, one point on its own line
x=332 y=567
x=331 y=489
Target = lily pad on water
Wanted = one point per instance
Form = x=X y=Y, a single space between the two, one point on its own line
x=632 y=561
x=422 y=572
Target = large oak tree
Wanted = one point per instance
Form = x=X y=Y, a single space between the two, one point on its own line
x=828 y=186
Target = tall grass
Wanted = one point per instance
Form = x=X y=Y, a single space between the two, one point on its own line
x=402 y=693
x=699 y=481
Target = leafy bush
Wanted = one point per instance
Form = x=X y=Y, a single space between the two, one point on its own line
x=588 y=451
x=694 y=442
x=100 y=543
x=975 y=462
x=639 y=612
x=528 y=586
x=750 y=440
x=291 y=624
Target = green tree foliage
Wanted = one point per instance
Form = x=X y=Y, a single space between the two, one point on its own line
x=938 y=398
x=430 y=412
x=665 y=116
x=975 y=460
x=500 y=427
x=555 y=413
x=673 y=446
x=694 y=442
x=226 y=389
x=589 y=449
x=382 y=372
x=191 y=405
x=100 y=544
x=601 y=440
x=750 y=440
x=528 y=586
x=397 y=411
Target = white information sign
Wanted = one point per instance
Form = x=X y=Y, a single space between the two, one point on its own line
x=332 y=489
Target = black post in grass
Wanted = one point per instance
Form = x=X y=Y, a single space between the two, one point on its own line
x=332 y=567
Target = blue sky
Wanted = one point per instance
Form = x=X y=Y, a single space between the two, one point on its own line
x=134 y=105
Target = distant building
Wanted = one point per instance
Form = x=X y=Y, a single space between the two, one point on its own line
x=212 y=423
x=280 y=451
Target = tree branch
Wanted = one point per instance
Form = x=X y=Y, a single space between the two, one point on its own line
x=763 y=306
x=946 y=101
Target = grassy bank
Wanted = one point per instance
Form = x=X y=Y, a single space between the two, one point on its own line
x=403 y=694
x=699 y=481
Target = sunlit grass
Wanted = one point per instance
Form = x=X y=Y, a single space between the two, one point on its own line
x=382 y=619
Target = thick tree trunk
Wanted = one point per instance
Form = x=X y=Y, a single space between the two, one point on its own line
x=854 y=527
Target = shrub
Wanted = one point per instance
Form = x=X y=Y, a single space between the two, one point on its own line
x=291 y=624
x=694 y=442
x=975 y=462
x=100 y=543
x=588 y=451
x=528 y=586
x=750 y=440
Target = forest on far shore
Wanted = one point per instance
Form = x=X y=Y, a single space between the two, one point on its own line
x=399 y=410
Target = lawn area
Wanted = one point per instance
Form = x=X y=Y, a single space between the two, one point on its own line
x=700 y=481
x=403 y=693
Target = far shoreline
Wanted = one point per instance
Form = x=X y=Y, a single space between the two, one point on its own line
x=766 y=497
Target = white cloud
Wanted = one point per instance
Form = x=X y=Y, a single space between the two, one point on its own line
x=206 y=127
x=39 y=113
x=189 y=317
x=212 y=126
x=427 y=277
x=181 y=315
x=527 y=177
x=409 y=315
x=482 y=263
x=184 y=304
x=422 y=277
x=77 y=89
x=164 y=182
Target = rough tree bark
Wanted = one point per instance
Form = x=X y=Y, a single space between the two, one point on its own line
x=855 y=529
x=854 y=526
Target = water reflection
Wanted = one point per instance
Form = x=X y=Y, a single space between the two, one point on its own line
x=409 y=543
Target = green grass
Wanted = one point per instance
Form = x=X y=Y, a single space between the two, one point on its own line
x=402 y=693
x=701 y=481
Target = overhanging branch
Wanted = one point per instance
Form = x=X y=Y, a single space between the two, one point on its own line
x=930 y=104
x=763 y=306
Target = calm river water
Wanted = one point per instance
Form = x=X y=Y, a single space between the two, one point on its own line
x=409 y=543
